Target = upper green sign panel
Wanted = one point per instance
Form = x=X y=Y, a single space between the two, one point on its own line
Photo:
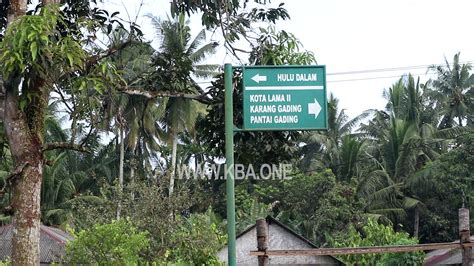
x=285 y=98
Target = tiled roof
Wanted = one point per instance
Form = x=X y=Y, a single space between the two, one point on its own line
x=52 y=243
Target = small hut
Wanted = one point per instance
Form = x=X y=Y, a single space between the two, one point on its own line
x=280 y=237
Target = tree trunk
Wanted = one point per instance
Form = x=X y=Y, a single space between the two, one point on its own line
x=417 y=223
x=132 y=173
x=132 y=182
x=26 y=150
x=132 y=164
x=27 y=212
x=17 y=8
x=122 y=155
x=173 y=162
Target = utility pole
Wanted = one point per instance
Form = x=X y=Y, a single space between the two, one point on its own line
x=262 y=241
x=465 y=236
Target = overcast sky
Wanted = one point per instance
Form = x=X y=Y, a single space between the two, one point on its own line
x=347 y=36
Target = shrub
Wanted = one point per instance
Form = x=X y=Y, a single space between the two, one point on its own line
x=375 y=234
x=196 y=241
x=108 y=244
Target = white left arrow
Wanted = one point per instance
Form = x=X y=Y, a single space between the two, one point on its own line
x=257 y=78
x=314 y=108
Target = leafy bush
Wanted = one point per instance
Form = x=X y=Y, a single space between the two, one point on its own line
x=405 y=258
x=196 y=240
x=250 y=211
x=375 y=234
x=175 y=236
x=6 y=262
x=115 y=243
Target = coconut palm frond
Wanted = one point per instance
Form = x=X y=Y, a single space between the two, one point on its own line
x=351 y=124
x=206 y=71
x=410 y=203
x=390 y=212
x=451 y=133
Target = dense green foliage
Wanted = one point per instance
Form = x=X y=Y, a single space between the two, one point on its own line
x=327 y=212
x=5 y=262
x=374 y=234
x=447 y=184
x=107 y=244
x=196 y=240
x=173 y=236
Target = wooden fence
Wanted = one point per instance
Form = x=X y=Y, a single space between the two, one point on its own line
x=464 y=243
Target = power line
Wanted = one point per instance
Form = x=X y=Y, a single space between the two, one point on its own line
x=365 y=71
x=389 y=69
x=370 y=78
x=384 y=70
x=347 y=80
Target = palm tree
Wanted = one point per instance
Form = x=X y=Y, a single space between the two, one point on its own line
x=404 y=138
x=116 y=105
x=390 y=147
x=139 y=116
x=452 y=87
x=177 y=62
x=338 y=148
x=133 y=118
x=70 y=176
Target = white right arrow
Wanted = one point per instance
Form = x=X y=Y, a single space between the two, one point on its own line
x=314 y=108
x=257 y=78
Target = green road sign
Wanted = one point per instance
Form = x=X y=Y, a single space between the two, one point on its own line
x=285 y=98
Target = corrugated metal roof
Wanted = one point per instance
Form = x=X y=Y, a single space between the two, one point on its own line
x=5 y=241
x=445 y=256
x=52 y=243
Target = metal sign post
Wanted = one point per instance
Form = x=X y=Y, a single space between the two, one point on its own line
x=275 y=98
x=229 y=163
